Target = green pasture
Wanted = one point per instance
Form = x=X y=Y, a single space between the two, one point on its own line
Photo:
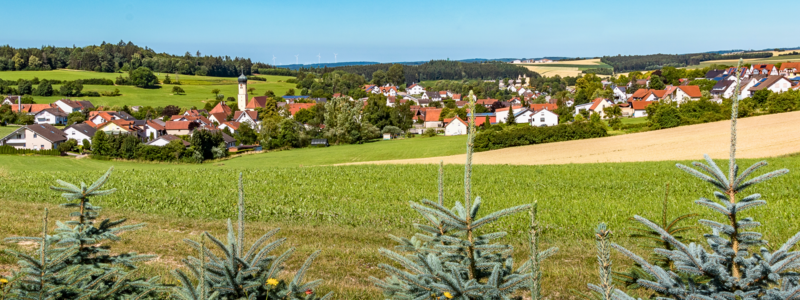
x=197 y=88
x=5 y=130
x=732 y=62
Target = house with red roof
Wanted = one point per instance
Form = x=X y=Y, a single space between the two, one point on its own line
x=763 y=69
x=596 y=106
x=639 y=108
x=790 y=69
x=247 y=116
x=431 y=117
x=415 y=89
x=457 y=126
x=180 y=127
x=546 y=106
x=293 y=108
x=684 y=93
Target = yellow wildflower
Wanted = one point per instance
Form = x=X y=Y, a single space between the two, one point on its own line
x=272 y=281
x=448 y=295
x=3 y=281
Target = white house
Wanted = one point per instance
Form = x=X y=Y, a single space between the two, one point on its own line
x=620 y=95
x=165 y=139
x=53 y=115
x=640 y=108
x=764 y=69
x=246 y=117
x=544 y=118
x=522 y=115
x=595 y=106
x=80 y=132
x=415 y=89
x=775 y=84
x=388 y=91
x=35 y=137
x=69 y=106
x=10 y=100
x=456 y=127
x=580 y=107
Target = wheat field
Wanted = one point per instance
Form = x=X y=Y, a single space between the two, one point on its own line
x=762 y=136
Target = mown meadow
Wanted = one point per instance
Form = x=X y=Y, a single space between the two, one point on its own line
x=198 y=88
x=347 y=211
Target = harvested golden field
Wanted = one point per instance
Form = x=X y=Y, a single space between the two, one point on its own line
x=762 y=136
x=565 y=68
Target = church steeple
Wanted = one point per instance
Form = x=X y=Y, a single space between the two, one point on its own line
x=242 y=101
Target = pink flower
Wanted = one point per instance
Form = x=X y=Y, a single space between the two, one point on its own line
x=309 y=292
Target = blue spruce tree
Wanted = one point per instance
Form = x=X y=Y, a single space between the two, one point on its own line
x=450 y=258
x=731 y=267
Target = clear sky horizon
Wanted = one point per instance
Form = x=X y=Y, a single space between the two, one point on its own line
x=404 y=31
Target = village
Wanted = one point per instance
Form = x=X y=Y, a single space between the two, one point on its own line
x=426 y=107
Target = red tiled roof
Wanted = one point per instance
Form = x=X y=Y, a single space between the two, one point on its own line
x=232 y=125
x=295 y=107
x=432 y=115
x=252 y=114
x=691 y=90
x=486 y=101
x=90 y=123
x=640 y=93
x=640 y=105
x=538 y=107
x=516 y=108
x=659 y=93
x=221 y=108
x=595 y=103
x=179 y=125
x=256 y=102
x=790 y=65
x=155 y=125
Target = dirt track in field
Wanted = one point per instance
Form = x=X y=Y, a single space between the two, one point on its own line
x=762 y=136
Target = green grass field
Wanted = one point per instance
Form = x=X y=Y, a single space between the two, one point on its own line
x=198 y=88
x=732 y=62
x=347 y=211
x=5 y=130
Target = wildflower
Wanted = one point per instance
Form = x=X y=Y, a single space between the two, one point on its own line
x=3 y=281
x=309 y=292
x=272 y=281
x=448 y=295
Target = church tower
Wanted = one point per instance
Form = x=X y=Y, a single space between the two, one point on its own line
x=242 y=92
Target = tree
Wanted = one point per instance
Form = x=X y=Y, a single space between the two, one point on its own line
x=656 y=83
x=143 y=77
x=67 y=146
x=81 y=250
x=171 y=110
x=395 y=75
x=75 y=117
x=204 y=140
x=166 y=80
x=251 y=90
x=237 y=273
x=269 y=94
x=290 y=92
x=393 y=130
x=24 y=87
x=246 y=135
x=511 y=120
x=178 y=90
x=100 y=143
x=761 y=96
x=452 y=256
x=87 y=146
x=730 y=266
x=379 y=78
x=44 y=89
x=304 y=116
x=402 y=116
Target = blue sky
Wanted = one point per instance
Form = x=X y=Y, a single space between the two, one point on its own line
x=401 y=30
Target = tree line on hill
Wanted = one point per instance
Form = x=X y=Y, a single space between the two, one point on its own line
x=626 y=63
x=432 y=70
x=123 y=57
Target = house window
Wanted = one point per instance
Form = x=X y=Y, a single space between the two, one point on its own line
x=541 y=120
x=35 y=135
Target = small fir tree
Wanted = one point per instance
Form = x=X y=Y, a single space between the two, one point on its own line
x=450 y=258
x=731 y=268
x=511 y=120
x=237 y=274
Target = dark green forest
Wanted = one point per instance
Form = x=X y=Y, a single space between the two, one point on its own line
x=436 y=70
x=627 y=63
x=123 y=57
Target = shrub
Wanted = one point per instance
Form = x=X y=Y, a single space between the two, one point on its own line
x=513 y=136
x=430 y=132
x=178 y=90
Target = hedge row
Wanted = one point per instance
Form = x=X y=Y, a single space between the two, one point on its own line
x=11 y=150
x=528 y=135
